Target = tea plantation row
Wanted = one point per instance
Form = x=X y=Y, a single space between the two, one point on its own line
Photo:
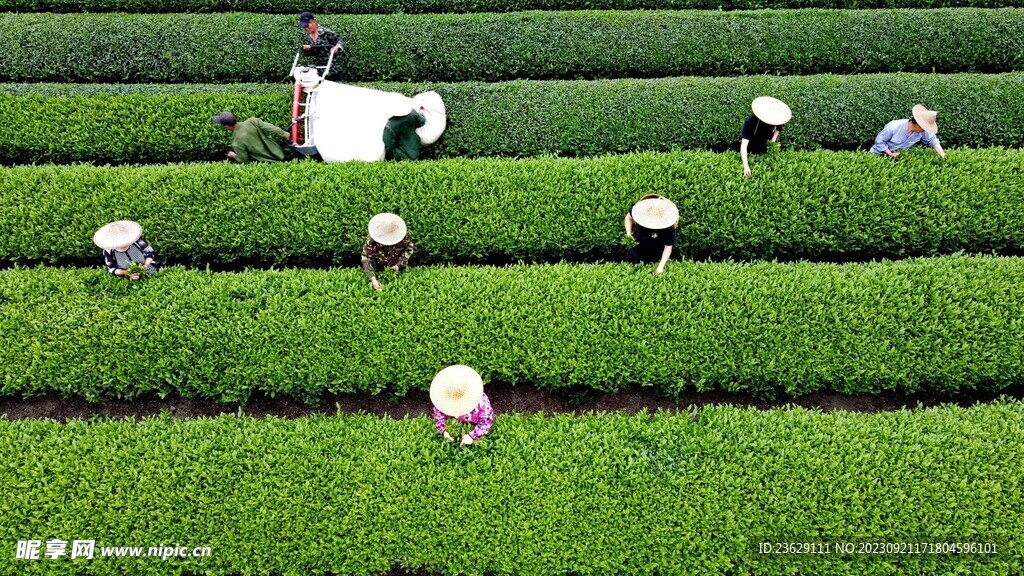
x=197 y=48
x=942 y=324
x=464 y=6
x=610 y=494
x=166 y=123
x=817 y=205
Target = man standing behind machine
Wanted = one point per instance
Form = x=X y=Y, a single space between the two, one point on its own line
x=321 y=43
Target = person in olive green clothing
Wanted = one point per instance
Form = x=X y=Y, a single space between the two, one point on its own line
x=254 y=140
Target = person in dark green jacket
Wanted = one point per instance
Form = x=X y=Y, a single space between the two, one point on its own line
x=254 y=140
x=401 y=142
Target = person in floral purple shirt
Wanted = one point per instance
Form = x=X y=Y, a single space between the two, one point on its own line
x=458 y=392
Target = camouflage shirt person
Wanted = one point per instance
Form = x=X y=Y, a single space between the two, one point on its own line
x=377 y=255
x=327 y=39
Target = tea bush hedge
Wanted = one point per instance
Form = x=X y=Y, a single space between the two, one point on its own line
x=815 y=205
x=167 y=123
x=465 y=6
x=943 y=324
x=599 y=494
x=177 y=48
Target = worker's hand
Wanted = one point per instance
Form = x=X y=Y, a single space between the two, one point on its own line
x=335 y=49
x=134 y=276
x=231 y=155
x=467 y=439
x=395 y=268
x=892 y=154
x=448 y=436
x=746 y=171
x=376 y=285
x=307 y=47
x=659 y=270
x=147 y=263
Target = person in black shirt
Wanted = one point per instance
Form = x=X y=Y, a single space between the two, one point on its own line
x=123 y=246
x=764 y=124
x=652 y=222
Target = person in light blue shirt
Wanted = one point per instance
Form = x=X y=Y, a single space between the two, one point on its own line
x=902 y=134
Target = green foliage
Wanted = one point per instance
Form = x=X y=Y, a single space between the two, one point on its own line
x=945 y=324
x=488 y=47
x=815 y=205
x=463 y=6
x=136 y=269
x=675 y=495
x=167 y=123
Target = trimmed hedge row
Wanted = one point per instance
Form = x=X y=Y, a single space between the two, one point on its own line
x=466 y=6
x=607 y=44
x=683 y=494
x=942 y=324
x=818 y=205
x=140 y=123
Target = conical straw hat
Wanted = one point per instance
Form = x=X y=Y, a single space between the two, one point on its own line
x=457 y=390
x=655 y=213
x=926 y=118
x=771 y=110
x=387 y=229
x=117 y=234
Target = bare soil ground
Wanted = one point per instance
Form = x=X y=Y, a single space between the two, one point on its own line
x=522 y=399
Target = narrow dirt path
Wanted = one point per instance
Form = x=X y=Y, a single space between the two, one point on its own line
x=523 y=399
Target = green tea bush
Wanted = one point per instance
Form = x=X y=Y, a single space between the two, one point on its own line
x=677 y=495
x=167 y=123
x=944 y=324
x=812 y=205
x=488 y=47
x=465 y=6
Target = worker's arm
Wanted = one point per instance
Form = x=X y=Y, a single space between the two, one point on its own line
x=331 y=37
x=933 y=141
x=241 y=154
x=881 y=145
x=269 y=128
x=403 y=261
x=743 y=156
x=665 y=254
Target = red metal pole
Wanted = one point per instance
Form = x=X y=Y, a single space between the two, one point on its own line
x=296 y=100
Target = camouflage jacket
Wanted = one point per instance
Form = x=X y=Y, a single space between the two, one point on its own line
x=379 y=255
x=327 y=38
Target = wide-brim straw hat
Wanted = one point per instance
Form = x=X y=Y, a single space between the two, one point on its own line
x=387 y=229
x=771 y=110
x=655 y=213
x=925 y=118
x=117 y=234
x=456 y=390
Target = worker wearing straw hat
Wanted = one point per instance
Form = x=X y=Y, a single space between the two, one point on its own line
x=458 y=392
x=123 y=246
x=769 y=115
x=652 y=223
x=902 y=134
x=388 y=246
